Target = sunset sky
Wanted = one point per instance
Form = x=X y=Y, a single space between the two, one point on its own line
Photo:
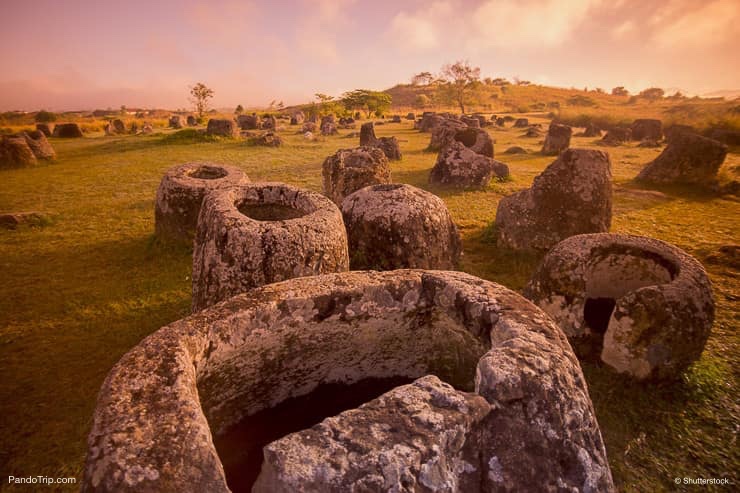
x=79 y=54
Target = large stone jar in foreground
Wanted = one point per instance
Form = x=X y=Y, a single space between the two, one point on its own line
x=399 y=226
x=534 y=429
x=262 y=233
x=642 y=305
x=181 y=193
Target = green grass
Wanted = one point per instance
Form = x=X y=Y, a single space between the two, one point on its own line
x=80 y=291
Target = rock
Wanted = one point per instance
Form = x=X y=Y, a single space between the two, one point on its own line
x=647 y=129
x=515 y=150
x=308 y=136
x=349 y=170
x=500 y=122
x=470 y=121
x=367 y=134
x=181 y=192
x=532 y=132
x=14 y=219
x=643 y=306
x=557 y=139
x=147 y=128
x=328 y=125
x=191 y=121
x=676 y=129
x=134 y=129
x=616 y=136
x=649 y=143
x=396 y=226
x=222 y=128
x=15 y=152
x=67 y=131
x=459 y=166
x=572 y=196
x=389 y=145
x=298 y=118
x=475 y=139
x=118 y=126
x=39 y=145
x=444 y=133
x=687 y=159
x=726 y=255
x=177 y=121
x=521 y=123
x=248 y=122
x=509 y=118
x=396 y=119
x=725 y=136
x=269 y=123
x=44 y=127
x=429 y=120
x=267 y=139
x=262 y=233
x=591 y=130
x=411 y=116
x=165 y=402
x=426 y=413
x=308 y=127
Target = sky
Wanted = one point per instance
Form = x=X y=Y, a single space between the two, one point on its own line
x=79 y=54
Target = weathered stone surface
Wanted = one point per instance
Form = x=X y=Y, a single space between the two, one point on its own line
x=115 y=127
x=572 y=196
x=475 y=139
x=725 y=136
x=308 y=127
x=443 y=133
x=396 y=119
x=644 y=306
x=67 y=131
x=328 y=125
x=676 y=130
x=349 y=170
x=44 y=127
x=470 y=121
x=15 y=152
x=591 y=130
x=177 y=121
x=191 y=121
x=298 y=118
x=459 y=166
x=134 y=128
x=147 y=128
x=687 y=159
x=398 y=226
x=222 y=128
x=269 y=123
x=521 y=123
x=411 y=116
x=515 y=150
x=429 y=120
x=39 y=145
x=616 y=136
x=14 y=219
x=647 y=129
x=181 y=193
x=261 y=233
x=443 y=425
x=248 y=122
x=500 y=122
x=367 y=134
x=193 y=379
x=557 y=139
x=267 y=139
x=649 y=143
x=532 y=132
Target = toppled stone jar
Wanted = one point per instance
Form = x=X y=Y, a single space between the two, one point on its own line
x=261 y=233
x=531 y=426
x=398 y=226
x=181 y=193
x=643 y=306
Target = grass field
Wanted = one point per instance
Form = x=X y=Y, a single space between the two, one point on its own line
x=79 y=292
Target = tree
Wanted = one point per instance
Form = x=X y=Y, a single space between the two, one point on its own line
x=421 y=101
x=422 y=79
x=460 y=83
x=200 y=94
x=239 y=109
x=652 y=93
x=44 y=116
x=620 y=91
x=368 y=101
